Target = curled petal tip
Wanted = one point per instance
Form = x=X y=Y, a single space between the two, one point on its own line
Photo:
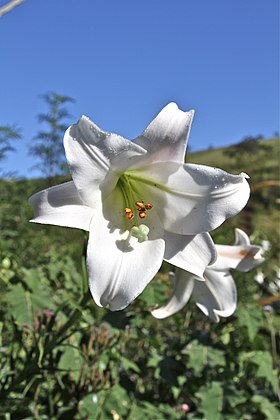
x=159 y=313
x=84 y=117
x=216 y=317
x=259 y=255
x=241 y=237
x=171 y=104
x=244 y=175
x=224 y=313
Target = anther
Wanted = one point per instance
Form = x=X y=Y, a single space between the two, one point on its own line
x=142 y=215
x=127 y=210
x=148 y=206
x=130 y=215
x=140 y=206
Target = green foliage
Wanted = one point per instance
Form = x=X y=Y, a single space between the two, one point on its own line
x=7 y=135
x=200 y=356
x=264 y=363
x=247 y=147
x=250 y=316
x=48 y=146
x=211 y=400
x=269 y=410
x=62 y=357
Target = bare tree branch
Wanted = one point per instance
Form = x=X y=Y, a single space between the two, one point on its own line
x=9 y=6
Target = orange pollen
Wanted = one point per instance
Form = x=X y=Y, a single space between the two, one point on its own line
x=130 y=215
x=148 y=206
x=140 y=206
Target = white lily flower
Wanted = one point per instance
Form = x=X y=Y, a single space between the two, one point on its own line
x=140 y=202
x=216 y=295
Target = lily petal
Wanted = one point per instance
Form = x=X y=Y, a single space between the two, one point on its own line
x=183 y=287
x=192 y=198
x=94 y=155
x=61 y=205
x=242 y=258
x=241 y=237
x=120 y=267
x=190 y=252
x=216 y=296
x=166 y=136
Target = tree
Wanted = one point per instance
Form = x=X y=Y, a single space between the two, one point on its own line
x=48 y=148
x=248 y=146
x=7 y=135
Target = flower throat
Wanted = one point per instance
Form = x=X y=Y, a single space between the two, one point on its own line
x=135 y=208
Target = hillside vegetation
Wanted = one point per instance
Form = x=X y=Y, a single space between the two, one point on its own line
x=62 y=357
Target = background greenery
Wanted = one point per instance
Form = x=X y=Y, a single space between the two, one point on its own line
x=62 y=357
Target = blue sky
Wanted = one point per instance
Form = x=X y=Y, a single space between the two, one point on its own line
x=124 y=60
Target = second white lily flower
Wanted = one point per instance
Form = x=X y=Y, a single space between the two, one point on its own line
x=216 y=293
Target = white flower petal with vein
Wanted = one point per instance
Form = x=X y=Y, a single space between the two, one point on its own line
x=216 y=295
x=241 y=256
x=140 y=202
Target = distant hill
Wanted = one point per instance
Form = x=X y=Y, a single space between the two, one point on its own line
x=262 y=161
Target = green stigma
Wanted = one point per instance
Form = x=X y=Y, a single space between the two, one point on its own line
x=140 y=232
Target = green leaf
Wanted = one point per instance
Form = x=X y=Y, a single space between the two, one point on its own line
x=154 y=360
x=23 y=303
x=145 y=410
x=19 y=305
x=175 y=392
x=235 y=397
x=251 y=317
x=129 y=364
x=211 y=403
x=155 y=292
x=71 y=360
x=116 y=401
x=90 y=406
x=266 y=407
x=265 y=369
x=200 y=356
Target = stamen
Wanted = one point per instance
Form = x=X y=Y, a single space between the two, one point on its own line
x=130 y=215
x=148 y=206
x=140 y=206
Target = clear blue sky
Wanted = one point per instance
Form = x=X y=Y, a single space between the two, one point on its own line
x=124 y=60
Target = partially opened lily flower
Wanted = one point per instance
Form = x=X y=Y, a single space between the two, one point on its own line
x=216 y=294
x=140 y=202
